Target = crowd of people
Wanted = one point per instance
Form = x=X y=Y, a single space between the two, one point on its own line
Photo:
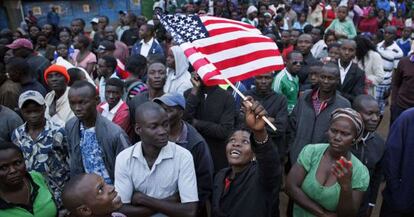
x=116 y=122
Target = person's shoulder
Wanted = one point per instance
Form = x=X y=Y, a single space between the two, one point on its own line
x=180 y=151
x=70 y=123
x=341 y=101
x=126 y=153
x=8 y=113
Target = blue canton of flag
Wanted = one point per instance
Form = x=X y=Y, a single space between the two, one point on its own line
x=184 y=28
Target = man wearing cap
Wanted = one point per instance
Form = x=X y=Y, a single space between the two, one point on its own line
x=185 y=135
x=57 y=103
x=42 y=142
x=123 y=25
x=94 y=24
x=24 y=48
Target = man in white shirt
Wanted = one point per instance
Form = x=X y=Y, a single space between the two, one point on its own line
x=352 y=77
x=115 y=109
x=148 y=45
x=319 y=48
x=155 y=177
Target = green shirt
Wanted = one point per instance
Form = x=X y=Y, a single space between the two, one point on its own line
x=288 y=85
x=43 y=204
x=346 y=27
x=326 y=196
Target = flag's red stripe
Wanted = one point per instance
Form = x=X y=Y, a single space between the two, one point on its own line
x=215 y=32
x=208 y=22
x=214 y=48
x=243 y=59
x=244 y=75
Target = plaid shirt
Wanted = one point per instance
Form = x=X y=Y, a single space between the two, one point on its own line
x=318 y=105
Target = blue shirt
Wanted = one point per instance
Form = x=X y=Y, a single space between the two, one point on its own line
x=92 y=154
x=384 y=4
x=404 y=45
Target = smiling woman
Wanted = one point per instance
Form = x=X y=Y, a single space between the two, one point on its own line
x=248 y=186
x=327 y=179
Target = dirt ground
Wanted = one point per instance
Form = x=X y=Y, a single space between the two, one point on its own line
x=383 y=131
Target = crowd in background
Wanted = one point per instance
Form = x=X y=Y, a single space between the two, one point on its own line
x=116 y=122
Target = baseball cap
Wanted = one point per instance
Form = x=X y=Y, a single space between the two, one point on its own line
x=105 y=46
x=95 y=20
x=20 y=43
x=122 y=12
x=171 y=99
x=31 y=95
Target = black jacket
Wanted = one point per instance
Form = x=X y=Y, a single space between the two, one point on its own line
x=308 y=61
x=251 y=191
x=215 y=114
x=276 y=107
x=308 y=128
x=354 y=83
x=203 y=162
x=370 y=152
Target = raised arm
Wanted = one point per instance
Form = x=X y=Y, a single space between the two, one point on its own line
x=266 y=155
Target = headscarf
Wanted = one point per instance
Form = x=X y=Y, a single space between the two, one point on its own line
x=352 y=115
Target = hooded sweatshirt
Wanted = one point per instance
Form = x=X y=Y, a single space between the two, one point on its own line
x=178 y=79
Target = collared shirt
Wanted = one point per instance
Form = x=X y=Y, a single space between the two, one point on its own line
x=102 y=85
x=183 y=135
x=343 y=71
x=173 y=171
x=63 y=110
x=110 y=114
x=92 y=154
x=145 y=48
x=47 y=154
x=318 y=105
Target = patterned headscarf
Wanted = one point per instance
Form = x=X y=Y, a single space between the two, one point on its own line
x=352 y=115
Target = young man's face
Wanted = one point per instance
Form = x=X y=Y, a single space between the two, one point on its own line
x=328 y=81
x=76 y=27
x=334 y=53
x=304 y=44
x=406 y=33
x=175 y=113
x=99 y=197
x=342 y=13
x=62 y=50
x=103 y=69
x=263 y=82
x=112 y=95
x=153 y=128
x=56 y=81
x=371 y=115
x=294 y=64
x=347 y=51
x=33 y=113
x=64 y=37
x=156 y=76
x=83 y=103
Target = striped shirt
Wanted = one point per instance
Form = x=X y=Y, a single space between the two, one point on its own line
x=390 y=55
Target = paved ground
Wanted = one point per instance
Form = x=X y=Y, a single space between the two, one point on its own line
x=383 y=131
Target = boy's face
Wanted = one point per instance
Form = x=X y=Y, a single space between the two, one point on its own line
x=406 y=33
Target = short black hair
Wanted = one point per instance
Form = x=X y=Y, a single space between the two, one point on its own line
x=75 y=74
x=156 y=58
x=110 y=61
x=135 y=62
x=141 y=110
x=289 y=56
x=330 y=66
x=80 y=20
x=116 y=82
x=360 y=99
x=84 y=40
x=8 y=145
x=18 y=64
x=82 y=84
x=333 y=45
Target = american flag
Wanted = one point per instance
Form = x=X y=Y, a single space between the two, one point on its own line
x=220 y=48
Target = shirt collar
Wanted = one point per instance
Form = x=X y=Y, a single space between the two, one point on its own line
x=346 y=68
x=115 y=109
x=149 y=42
x=166 y=152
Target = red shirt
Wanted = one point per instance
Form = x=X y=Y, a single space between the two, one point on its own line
x=368 y=25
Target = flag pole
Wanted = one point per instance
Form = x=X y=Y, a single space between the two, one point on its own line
x=244 y=99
